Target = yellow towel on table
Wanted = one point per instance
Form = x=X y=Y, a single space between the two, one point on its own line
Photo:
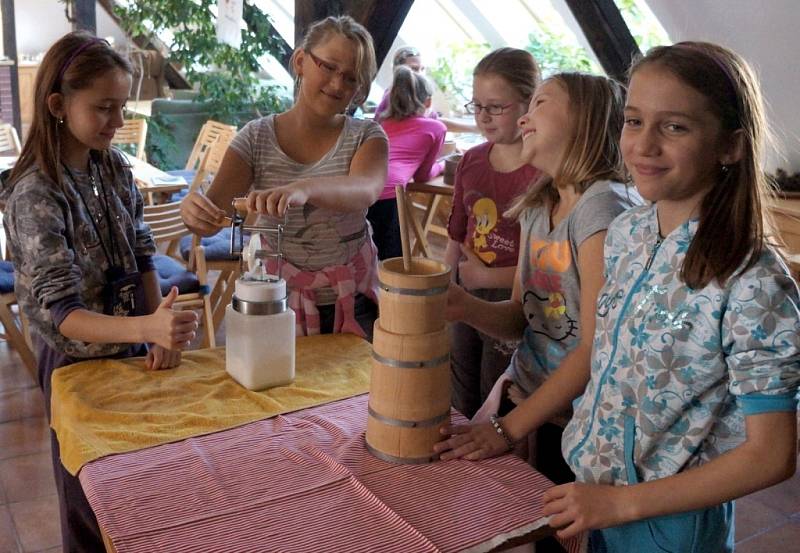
x=109 y=406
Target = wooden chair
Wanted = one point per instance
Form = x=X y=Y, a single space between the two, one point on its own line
x=9 y=140
x=15 y=329
x=167 y=227
x=134 y=132
x=214 y=249
x=210 y=163
x=433 y=200
x=206 y=157
x=211 y=132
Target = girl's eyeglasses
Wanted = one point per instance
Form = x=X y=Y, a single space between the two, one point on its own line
x=492 y=109
x=330 y=69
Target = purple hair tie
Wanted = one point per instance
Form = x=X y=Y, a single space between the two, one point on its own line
x=75 y=54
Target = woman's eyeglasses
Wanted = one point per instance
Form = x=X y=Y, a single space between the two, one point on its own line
x=330 y=69
x=492 y=109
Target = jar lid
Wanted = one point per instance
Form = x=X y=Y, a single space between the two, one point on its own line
x=259 y=290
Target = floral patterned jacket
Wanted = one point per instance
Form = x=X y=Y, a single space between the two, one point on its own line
x=676 y=370
x=57 y=252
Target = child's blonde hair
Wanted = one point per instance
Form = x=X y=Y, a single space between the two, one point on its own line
x=596 y=107
x=346 y=26
x=71 y=64
x=409 y=93
x=733 y=224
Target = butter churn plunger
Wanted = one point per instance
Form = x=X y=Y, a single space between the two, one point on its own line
x=260 y=326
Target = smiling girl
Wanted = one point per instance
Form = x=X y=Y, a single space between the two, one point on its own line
x=82 y=255
x=483 y=245
x=696 y=362
x=321 y=168
x=571 y=133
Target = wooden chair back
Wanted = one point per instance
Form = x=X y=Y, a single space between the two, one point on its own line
x=168 y=228
x=9 y=140
x=211 y=132
x=133 y=132
x=210 y=164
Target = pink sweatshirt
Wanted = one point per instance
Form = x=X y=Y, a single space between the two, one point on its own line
x=414 y=145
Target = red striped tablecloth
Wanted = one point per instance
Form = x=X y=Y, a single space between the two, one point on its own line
x=305 y=482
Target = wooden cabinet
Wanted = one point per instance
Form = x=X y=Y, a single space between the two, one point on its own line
x=27 y=78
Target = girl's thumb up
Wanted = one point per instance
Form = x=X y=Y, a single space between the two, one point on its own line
x=169 y=299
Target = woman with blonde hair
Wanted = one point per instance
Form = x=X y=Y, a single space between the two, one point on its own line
x=319 y=168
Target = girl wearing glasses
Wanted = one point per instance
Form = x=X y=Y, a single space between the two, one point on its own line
x=321 y=169
x=483 y=246
x=571 y=133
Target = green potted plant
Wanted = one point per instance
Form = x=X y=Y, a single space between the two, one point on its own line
x=225 y=78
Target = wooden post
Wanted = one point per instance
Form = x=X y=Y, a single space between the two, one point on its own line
x=84 y=16
x=10 y=51
x=607 y=33
x=307 y=12
x=382 y=19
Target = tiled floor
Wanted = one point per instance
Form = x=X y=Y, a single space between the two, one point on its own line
x=28 y=503
x=766 y=522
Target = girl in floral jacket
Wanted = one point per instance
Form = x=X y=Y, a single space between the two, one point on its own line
x=692 y=396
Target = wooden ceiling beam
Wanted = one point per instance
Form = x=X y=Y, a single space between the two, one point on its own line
x=607 y=33
x=84 y=16
x=382 y=19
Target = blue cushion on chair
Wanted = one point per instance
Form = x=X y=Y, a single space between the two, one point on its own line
x=217 y=247
x=187 y=174
x=6 y=277
x=179 y=195
x=172 y=273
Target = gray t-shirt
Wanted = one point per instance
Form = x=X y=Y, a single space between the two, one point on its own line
x=314 y=237
x=551 y=282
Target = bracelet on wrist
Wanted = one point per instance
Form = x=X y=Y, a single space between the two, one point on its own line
x=495 y=421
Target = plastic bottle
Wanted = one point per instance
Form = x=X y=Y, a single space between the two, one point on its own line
x=260 y=329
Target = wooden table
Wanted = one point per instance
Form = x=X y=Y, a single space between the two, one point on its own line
x=144 y=173
x=305 y=481
x=786 y=214
x=432 y=219
x=299 y=481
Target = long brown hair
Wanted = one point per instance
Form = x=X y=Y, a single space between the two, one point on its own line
x=596 y=113
x=366 y=66
x=732 y=226
x=71 y=64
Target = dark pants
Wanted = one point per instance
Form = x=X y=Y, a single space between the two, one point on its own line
x=544 y=454
x=80 y=532
x=366 y=313
x=382 y=215
x=476 y=360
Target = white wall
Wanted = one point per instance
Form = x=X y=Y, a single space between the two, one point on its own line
x=41 y=22
x=765 y=34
